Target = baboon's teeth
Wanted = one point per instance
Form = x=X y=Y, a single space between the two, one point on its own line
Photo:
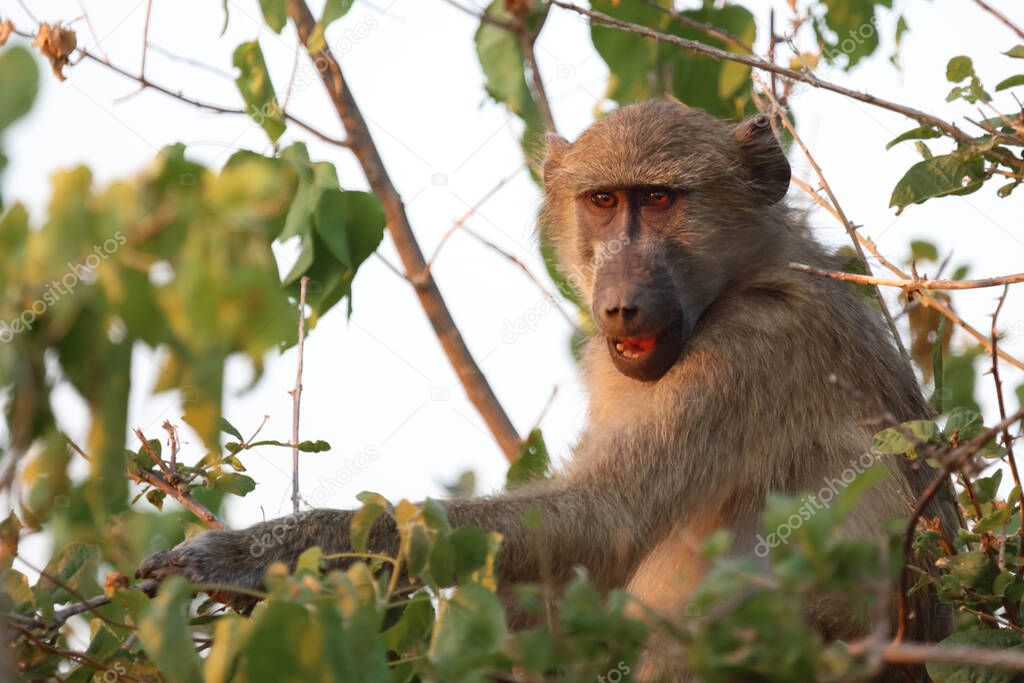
x=619 y=347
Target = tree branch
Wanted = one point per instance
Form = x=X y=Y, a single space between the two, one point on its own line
x=144 y=476
x=920 y=653
x=765 y=65
x=909 y=284
x=1000 y=16
x=297 y=395
x=145 y=83
x=362 y=145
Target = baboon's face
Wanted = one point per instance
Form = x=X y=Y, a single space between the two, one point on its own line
x=652 y=211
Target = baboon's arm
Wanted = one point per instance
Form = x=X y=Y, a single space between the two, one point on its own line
x=579 y=526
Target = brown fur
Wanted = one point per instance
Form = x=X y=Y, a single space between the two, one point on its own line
x=769 y=394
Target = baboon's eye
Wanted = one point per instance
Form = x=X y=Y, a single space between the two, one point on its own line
x=603 y=200
x=657 y=198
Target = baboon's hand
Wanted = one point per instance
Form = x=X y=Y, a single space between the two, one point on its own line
x=213 y=557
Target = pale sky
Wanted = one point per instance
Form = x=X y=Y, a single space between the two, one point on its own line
x=378 y=387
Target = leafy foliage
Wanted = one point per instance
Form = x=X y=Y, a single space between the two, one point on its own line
x=178 y=261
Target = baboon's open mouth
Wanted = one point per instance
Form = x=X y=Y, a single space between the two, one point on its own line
x=647 y=357
x=634 y=348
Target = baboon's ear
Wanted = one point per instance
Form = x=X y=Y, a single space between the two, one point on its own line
x=763 y=157
x=554 y=150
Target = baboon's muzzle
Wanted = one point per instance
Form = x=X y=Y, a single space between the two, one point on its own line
x=638 y=313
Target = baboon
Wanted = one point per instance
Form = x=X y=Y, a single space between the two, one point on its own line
x=717 y=376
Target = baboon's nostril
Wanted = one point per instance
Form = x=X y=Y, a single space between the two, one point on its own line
x=612 y=311
x=629 y=312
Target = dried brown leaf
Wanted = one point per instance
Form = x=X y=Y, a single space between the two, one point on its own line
x=6 y=29
x=56 y=43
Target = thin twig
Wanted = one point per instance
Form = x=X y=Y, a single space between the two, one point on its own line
x=172 y=438
x=527 y=39
x=1007 y=439
x=1000 y=16
x=466 y=216
x=145 y=39
x=205 y=106
x=850 y=229
x=296 y=394
x=704 y=27
x=911 y=284
x=92 y=30
x=485 y=18
x=522 y=266
x=362 y=145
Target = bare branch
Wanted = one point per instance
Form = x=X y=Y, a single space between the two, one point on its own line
x=296 y=394
x=145 y=39
x=485 y=18
x=362 y=145
x=920 y=653
x=704 y=27
x=466 y=216
x=205 y=106
x=1000 y=16
x=92 y=30
x=912 y=284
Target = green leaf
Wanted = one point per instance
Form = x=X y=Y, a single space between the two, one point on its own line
x=333 y=9
x=67 y=567
x=923 y=251
x=413 y=626
x=986 y=488
x=973 y=569
x=257 y=89
x=229 y=636
x=472 y=547
x=318 y=446
x=363 y=519
x=892 y=441
x=275 y=13
x=959 y=68
x=1011 y=82
x=1017 y=52
x=351 y=224
x=994 y=521
x=164 y=634
x=963 y=422
x=309 y=561
x=234 y=483
x=937 y=177
x=993 y=639
x=532 y=464
x=856 y=28
x=20 y=76
x=470 y=628
x=229 y=428
x=919 y=133
x=502 y=62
